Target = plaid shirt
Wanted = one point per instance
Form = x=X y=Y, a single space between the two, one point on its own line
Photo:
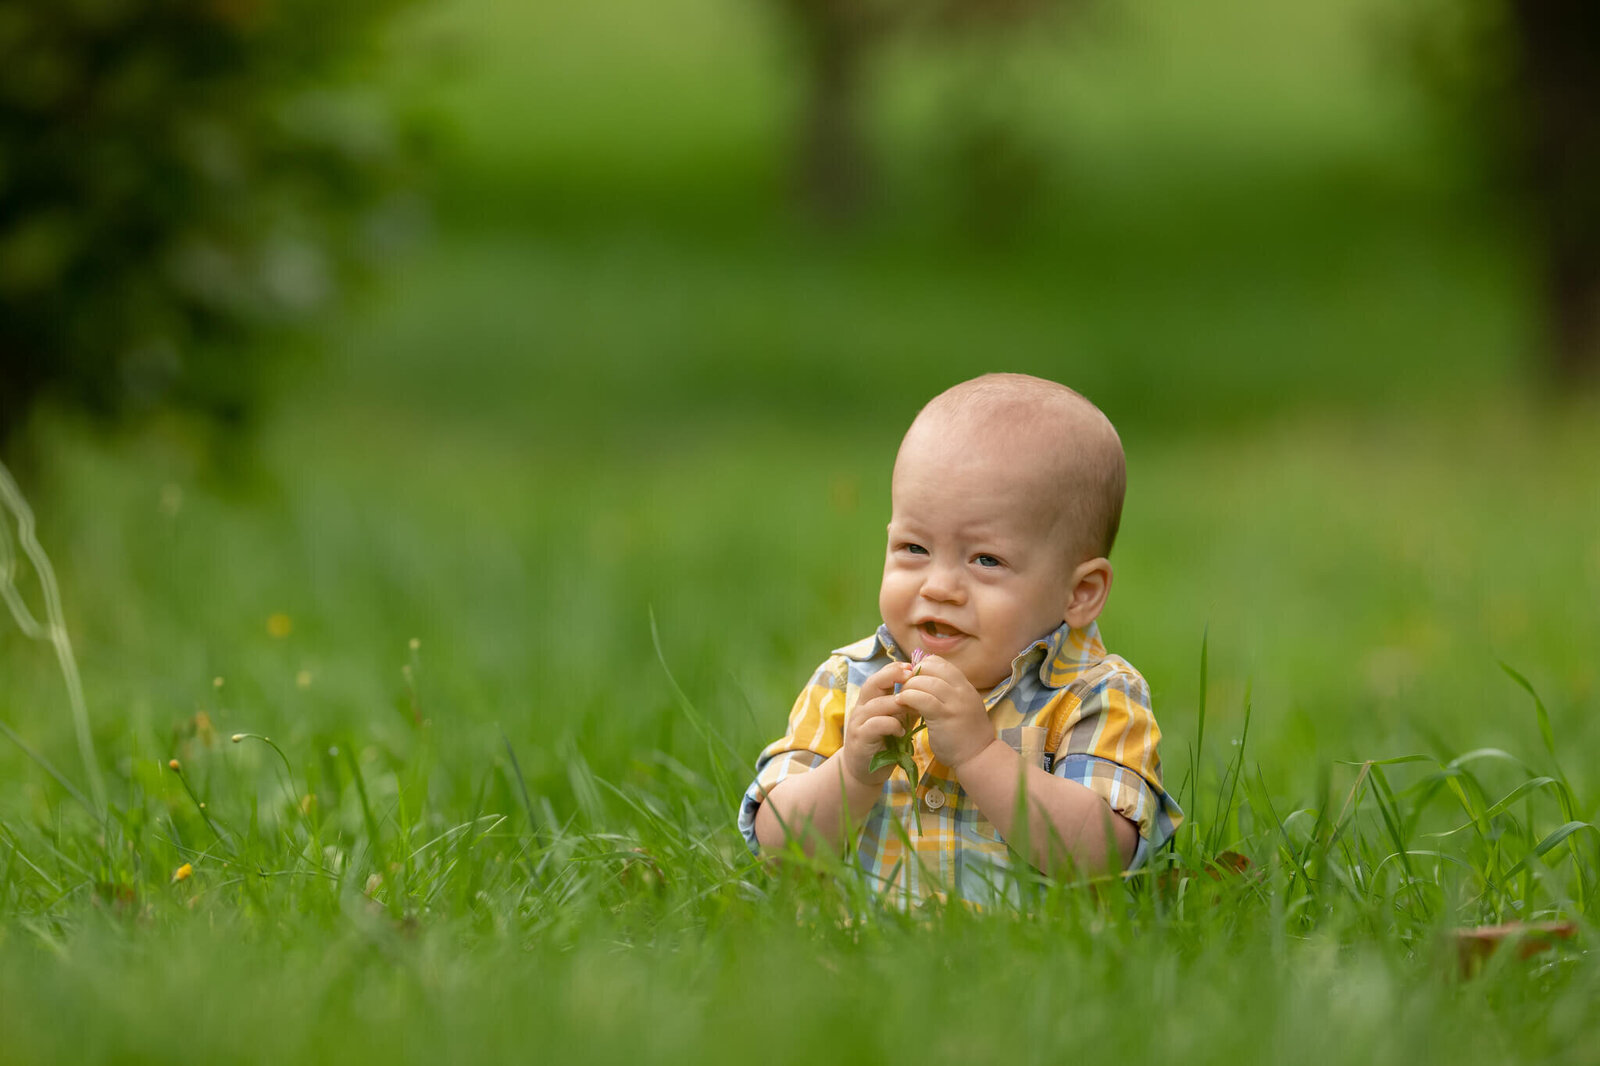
x=1069 y=707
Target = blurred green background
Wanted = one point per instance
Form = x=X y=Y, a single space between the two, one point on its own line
x=613 y=368
x=383 y=374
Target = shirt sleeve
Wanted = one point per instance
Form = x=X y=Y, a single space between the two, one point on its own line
x=816 y=731
x=1109 y=747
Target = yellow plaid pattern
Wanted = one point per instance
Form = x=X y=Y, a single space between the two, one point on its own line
x=1078 y=712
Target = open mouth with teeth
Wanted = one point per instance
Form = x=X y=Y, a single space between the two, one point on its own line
x=939 y=635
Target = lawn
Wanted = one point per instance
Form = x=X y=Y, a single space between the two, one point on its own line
x=523 y=570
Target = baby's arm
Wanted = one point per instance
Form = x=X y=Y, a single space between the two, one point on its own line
x=814 y=807
x=1066 y=821
x=819 y=805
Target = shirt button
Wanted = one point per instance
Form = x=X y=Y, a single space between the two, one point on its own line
x=934 y=798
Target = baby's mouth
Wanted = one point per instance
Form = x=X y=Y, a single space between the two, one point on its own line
x=939 y=629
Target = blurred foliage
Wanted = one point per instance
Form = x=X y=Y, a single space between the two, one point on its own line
x=838 y=43
x=180 y=179
x=1520 y=85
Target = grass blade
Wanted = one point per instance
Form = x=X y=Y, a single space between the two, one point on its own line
x=522 y=784
x=1549 y=842
x=45 y=764
x=11 y=499
x=1539 y=711
x=718 y=767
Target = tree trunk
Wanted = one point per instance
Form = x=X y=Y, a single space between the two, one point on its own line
x=1559 y=87
x=832 y=171
x=1574 y=297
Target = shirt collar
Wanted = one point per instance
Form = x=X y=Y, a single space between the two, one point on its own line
x=1057 y=658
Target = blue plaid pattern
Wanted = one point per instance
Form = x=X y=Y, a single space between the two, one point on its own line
x=1078 y=712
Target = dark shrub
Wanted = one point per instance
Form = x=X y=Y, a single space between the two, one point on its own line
x=181 y=180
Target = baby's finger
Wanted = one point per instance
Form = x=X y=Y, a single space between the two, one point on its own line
x=883 y=707
x=918 y=702
x=926 y=695
x=933 y=684
x=879 y=728
x=934 y=666
x=944 y=679
x=883 y=682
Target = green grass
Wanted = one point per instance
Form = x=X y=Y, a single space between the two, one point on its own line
x=621 y=401
x=615 y=899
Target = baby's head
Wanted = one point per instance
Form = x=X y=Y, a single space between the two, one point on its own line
x=1006 y=497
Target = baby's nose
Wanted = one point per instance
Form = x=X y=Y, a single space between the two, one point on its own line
x=942 y=583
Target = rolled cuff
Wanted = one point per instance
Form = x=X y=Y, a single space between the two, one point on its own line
x=1146 y=805
x=769 y=772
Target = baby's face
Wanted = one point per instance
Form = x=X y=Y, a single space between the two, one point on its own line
x=977 y=566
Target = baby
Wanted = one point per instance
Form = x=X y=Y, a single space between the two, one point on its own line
x=1006 y=497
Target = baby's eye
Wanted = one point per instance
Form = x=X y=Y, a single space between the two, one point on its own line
x=914 y=549
x=986 y=560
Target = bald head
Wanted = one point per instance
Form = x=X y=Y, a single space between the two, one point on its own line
x=1054 y=438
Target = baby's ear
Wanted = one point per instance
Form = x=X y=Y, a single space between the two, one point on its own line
x=1089 y=586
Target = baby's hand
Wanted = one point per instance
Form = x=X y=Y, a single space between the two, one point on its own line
x=958 y=722
x=876 y=716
